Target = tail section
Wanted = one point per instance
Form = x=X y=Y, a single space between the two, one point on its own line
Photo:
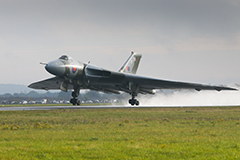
x=132 y=63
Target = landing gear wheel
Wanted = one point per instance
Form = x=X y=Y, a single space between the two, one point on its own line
x=137 y=102
x=78 y=102
x=130 y=101
x=133 y=102
x=75 y=101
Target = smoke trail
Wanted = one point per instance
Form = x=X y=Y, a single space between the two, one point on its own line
x=191 y=98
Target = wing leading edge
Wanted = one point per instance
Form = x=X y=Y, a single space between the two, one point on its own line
x=151 y=83
x=48 y=84
x=145 y=85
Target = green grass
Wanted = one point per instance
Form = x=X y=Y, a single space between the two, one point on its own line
x=130 y=133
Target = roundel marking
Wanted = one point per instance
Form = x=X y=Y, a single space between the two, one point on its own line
x=74 y=69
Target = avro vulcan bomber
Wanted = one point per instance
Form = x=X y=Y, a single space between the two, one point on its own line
x=70 y=74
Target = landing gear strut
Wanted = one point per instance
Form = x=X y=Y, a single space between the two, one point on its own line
x=134 y=88
x=75 y=94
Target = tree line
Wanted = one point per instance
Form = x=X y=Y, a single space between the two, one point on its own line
x=85 y=96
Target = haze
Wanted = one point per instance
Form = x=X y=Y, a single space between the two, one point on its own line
x=188 y=40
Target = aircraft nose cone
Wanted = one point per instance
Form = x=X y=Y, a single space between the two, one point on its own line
x=56 y=68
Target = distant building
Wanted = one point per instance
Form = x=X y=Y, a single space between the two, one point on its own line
x=23 y=102
x=31 y=102
x=43 y=101
x=5 y=102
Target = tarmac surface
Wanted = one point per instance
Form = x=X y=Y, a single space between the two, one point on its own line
x=58 y=107
x=87 y=107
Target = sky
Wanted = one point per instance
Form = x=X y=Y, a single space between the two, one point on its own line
x=182 y=40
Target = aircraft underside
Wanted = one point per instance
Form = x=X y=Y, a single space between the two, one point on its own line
x=133 y=101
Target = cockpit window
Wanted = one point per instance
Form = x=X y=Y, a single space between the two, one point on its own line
x=64 y=57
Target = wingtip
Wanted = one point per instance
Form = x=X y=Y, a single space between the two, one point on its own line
x=233 y=89
x=226 y=88
x=29 y=86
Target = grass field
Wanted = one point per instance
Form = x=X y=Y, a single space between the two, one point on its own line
x=130 y=133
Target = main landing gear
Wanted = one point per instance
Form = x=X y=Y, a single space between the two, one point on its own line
x=74 y=100
x=133 y=101
x=75 y=94
x=134 y=91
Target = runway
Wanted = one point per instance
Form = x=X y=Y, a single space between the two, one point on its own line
x=91 y=107
x=60 y=107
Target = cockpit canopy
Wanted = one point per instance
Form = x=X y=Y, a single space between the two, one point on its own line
x=64 y=57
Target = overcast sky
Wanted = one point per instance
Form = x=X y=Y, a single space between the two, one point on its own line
x=184 y=40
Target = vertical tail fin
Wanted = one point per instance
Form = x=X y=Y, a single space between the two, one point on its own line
x=132 y=63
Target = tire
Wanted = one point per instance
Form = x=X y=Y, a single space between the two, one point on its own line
x=137 y=103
